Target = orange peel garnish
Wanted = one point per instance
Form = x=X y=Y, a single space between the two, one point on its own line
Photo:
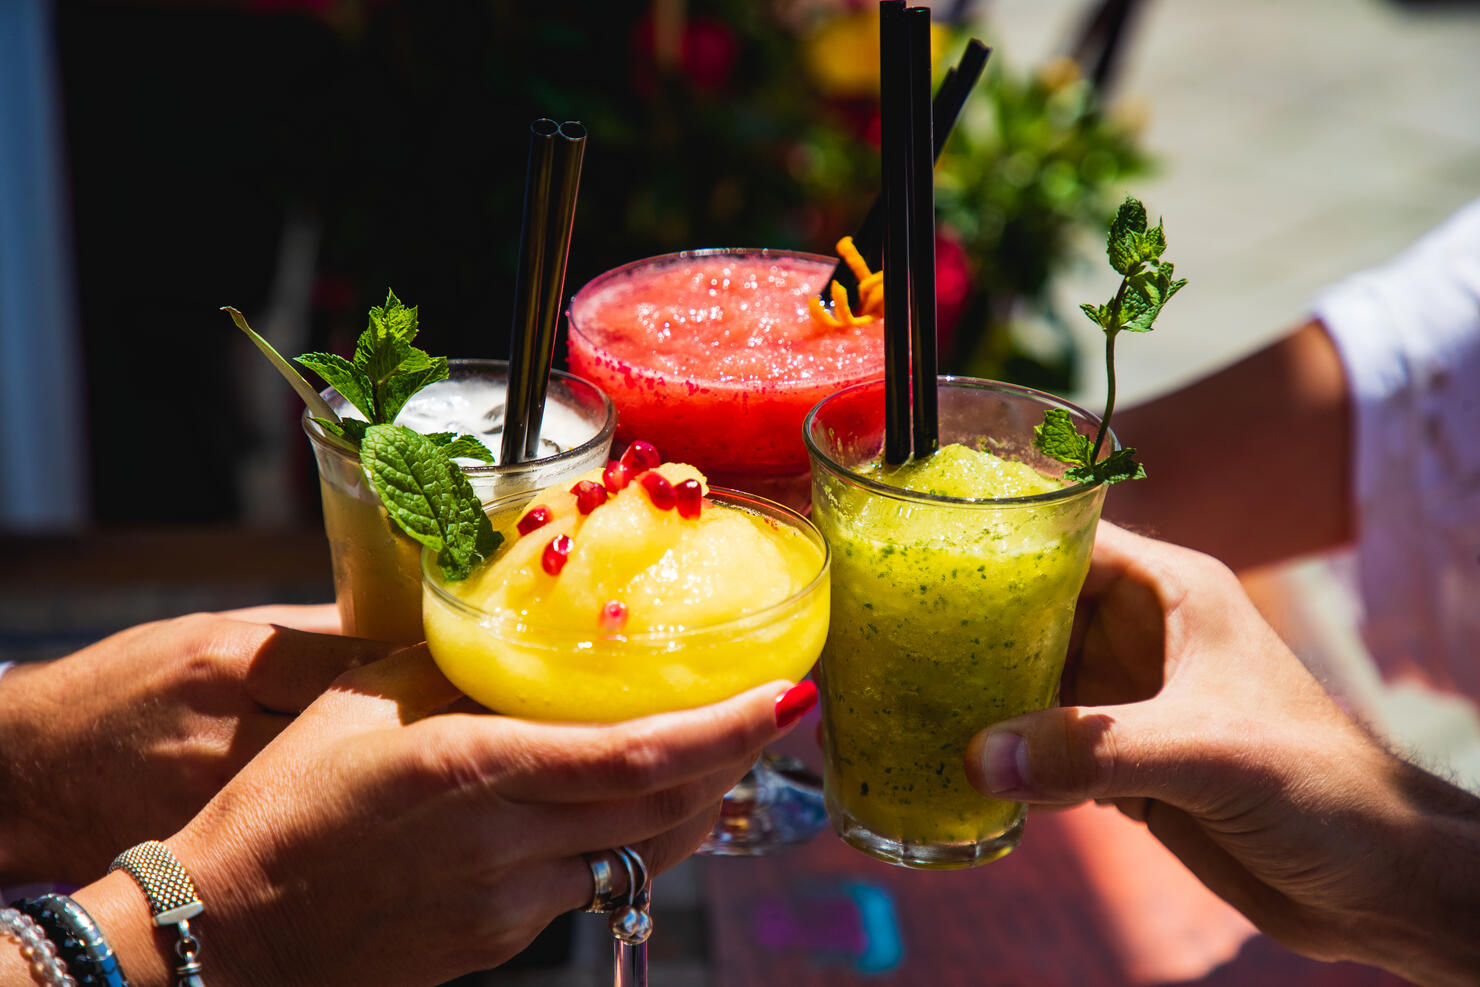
x=849 y=254
x=870 y=293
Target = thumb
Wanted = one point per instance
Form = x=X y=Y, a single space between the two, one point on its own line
x=1070 y=754
x=289 y=668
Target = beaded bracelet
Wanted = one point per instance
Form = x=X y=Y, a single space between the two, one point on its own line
x=46 y=968
x=172 y=901
x=78 y=940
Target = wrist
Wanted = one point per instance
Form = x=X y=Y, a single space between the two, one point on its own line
x=143 y=949
x=1429 y=936
x=24 y=852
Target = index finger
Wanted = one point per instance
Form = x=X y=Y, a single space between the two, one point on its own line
x=321 y=618
x=553 y=762
x=1120 y=554
x=400 y=688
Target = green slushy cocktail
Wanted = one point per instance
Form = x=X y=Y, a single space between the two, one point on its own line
x=954 y=584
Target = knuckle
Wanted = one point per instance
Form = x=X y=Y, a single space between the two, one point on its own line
x=438 y=763
x=672 y=806
x=1091 y=755
x=637 y=759
x=678 y=843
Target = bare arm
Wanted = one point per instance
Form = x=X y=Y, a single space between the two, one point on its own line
x=1252 y=464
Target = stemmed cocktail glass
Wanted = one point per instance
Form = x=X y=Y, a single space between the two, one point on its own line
x=712 y=356
x=507 y=661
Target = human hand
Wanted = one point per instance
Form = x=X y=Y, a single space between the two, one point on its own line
x=1196 y=719
x=320 y=618
x=129 y=737
x=374 y=842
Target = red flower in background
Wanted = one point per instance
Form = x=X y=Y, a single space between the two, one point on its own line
x=952 y=286
x=704 y=51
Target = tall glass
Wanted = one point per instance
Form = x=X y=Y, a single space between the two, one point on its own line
x=949 y=614
x=377 y=568
x=711 y=355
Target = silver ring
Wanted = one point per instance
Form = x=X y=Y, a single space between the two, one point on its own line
x=603 y=895
x=630 y=923
x=637 y=873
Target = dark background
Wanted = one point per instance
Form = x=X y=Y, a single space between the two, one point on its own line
x=401 y=130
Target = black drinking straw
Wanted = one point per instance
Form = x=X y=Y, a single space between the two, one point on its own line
x=925 y=427
x=570 y=149
x=1098 y=50
x=533 y=233
x=944 y=111
x=895 y=136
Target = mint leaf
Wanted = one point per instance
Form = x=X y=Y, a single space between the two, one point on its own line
x=394 y=320
x=345 y=378
x=1119 y=465
x=1058 y=439
x=461 y=446
x=351 y=430
x=1098 y=314
x=392 y=393
x=1153 y=243
x=381 y=358
x=428 y=496
x=1124 y=244
x=393 y=367
x=1145 y=295
x=390 y=324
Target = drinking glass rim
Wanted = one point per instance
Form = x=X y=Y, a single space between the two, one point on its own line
x=507 y=624
x=679 y=256
x=918 y=496
x=603 y=435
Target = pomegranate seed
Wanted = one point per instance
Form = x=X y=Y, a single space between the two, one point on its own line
x=556 y=554
x=614 y=616
x=659 y=490
x=537 y=518
x=690 y=495
x=641 y=456
x=616 y=476
x=589 y=495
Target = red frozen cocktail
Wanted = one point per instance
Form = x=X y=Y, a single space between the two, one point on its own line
x=713 y=356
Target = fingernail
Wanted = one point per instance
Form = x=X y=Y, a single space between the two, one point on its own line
x=1005 y=763
x=793 y=704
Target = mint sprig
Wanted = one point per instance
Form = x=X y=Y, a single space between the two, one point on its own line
x=1147 y=284
x=416 y=477
x=386 y=369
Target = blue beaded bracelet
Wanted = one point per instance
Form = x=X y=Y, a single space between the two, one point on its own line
x=79 y=941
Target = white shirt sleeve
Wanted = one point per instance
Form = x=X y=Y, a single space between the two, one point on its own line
x=1409 y=337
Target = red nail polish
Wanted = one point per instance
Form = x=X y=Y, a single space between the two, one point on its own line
x=793 y=704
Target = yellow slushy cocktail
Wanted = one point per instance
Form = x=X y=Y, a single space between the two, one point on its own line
x=629 y=591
